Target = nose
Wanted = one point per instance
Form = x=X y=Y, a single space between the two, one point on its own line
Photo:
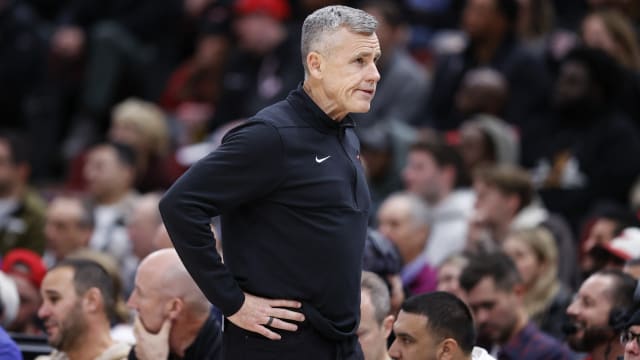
x=572 y=310
x=632 y=347
x=375 y=74
x=44 y=311
x=131 y=302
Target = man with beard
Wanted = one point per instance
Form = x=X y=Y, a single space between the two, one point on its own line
x=78 y=298
x=494 y=292
x=602 y=296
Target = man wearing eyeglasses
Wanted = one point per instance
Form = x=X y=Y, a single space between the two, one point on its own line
x=630 y=337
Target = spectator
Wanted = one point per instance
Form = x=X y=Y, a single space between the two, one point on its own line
x=78 y=300
x=602 y=226
x=21 y=208
x=494 y=293
x=435 y=326
x=27 y=270
x=603 y=296
x=629 y=336
x=449 y=274
x=585 y=160
x=487 y=141
x=436 y=173
x=265 y=66
x=172 y=320
x=404 y=83
x=68 y=227
x=613 y=32
x=482 y=90
x=142 y=126
x=545 y=298
x=376 y=320
x=490 y=28
x=622 y=248
x=505 y=202
x=143 y=223
x=110 y=174
x=124 y=40
x=406 y=221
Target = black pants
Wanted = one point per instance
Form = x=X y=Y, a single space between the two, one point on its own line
x=303 y=344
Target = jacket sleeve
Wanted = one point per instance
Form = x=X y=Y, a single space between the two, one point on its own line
x=247 y=166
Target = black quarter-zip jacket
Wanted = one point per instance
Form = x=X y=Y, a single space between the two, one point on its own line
x=294 y=204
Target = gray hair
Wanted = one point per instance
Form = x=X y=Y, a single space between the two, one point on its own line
x=378 y=293
x=330 y=19
x=420 y=212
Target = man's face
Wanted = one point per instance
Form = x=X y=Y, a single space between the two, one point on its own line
x=8 y=170
x=589 y=312
x=478 y=17
x=371 y=334
x=631 y=348
x=602 y=231
x=61 y=309
x=422 y=176
x=142 y=228
x=104 y=172
x=147 y=300
x=495 y=310
x=63 y=230
x=396 y=222
x=349 y=73
x=30 y=301
x=491 y=204
x=413 y=339
x=572 y=86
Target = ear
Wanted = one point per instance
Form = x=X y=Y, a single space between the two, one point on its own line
x=174 y=307
x=448 y=173
x=513 y=202
x=519 y=292
x=387 y=325
x=447 y=349
x=315 y=64
x=92 y=300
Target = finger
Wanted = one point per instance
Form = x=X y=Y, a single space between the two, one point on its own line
x=166 y=327
x=285 y=303
x=284 y=325
x=286 y=314
x=262 y=330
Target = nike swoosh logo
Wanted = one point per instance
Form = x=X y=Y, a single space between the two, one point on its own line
x=321 y=160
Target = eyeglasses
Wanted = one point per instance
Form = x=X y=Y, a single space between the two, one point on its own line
x=627 y=336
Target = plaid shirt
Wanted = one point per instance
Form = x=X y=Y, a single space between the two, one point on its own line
x=532 y=344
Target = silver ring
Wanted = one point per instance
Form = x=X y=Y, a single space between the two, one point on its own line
x=269 y=322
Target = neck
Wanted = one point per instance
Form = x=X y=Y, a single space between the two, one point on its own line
x=521 y=322
x=91 y=344
x=112 y=198
x=321 y=99
x=185 y=332
x=607 y=351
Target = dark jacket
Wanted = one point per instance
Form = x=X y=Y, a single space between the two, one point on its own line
x=294 y=203
x=206 y=346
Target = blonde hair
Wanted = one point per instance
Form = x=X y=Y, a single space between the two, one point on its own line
x=539 y=295
x=148 y=119
x=624 y=35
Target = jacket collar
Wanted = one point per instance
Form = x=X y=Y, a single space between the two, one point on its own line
x=315 y=116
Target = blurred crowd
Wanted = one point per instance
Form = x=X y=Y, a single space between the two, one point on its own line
x=501 y=127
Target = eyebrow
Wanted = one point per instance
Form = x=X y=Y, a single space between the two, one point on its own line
x=51 y=292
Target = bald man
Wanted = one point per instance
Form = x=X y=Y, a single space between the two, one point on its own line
x=174 y=318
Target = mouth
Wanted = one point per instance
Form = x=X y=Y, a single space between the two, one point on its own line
x=369 y=92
